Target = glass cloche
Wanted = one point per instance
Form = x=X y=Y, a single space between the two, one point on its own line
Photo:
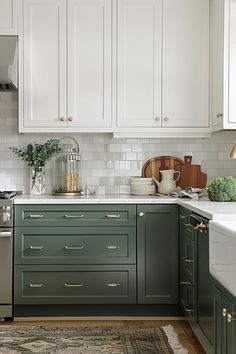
x=66 y=168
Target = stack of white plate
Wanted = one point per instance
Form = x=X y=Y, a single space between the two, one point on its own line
x=142 y=186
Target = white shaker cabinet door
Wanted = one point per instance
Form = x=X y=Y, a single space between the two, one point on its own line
x=89 y=63
x=185 y=63
x=138 y=59
x=44 y=63
x=217 y=62
x=9 y=17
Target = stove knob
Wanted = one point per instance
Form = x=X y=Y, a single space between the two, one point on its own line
x=6 y=217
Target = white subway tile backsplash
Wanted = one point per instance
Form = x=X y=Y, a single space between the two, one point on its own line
x=105 y=161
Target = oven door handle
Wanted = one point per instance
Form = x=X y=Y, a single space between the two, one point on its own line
x=6 y=233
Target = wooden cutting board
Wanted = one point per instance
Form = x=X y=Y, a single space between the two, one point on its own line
x=152 y=166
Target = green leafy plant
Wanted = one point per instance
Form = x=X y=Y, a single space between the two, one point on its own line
x=222 y=189
x=36 y=155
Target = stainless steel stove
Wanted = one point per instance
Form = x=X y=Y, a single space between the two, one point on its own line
x=6 y=252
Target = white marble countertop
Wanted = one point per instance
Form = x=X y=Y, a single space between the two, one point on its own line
x=204 y=207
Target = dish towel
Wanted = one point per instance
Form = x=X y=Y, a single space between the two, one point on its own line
x=189 y=192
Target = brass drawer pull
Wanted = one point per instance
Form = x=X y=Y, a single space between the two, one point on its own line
x=73 y=285
x=74 y=216
x=112 y=285
x=74 y=247
x=113 y=216
x=230 y=318
x=36 y=247
x=35 y=285
x=36 y=216
x=111 y=247
x=188 y=260
x=185 y=283
x=187 y=310
x=224 y=312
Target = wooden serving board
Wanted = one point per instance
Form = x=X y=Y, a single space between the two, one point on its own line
x=191 y=176
x=152 y=166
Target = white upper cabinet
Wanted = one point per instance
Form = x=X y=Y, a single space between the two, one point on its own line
x=163 y=67
x=223 y=64
x=44 y=64
x=185 y=85
x=89 y=63
x=9 y=17
x=139 y=63
x=66 y=66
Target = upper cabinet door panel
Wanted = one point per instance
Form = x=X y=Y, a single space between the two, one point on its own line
x=185 y=63
x=89 y=63
x=8 y=17
x=232 y=62
x=139 y=63
x=44 y=31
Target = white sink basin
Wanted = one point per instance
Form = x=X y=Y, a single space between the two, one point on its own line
x=222 y=253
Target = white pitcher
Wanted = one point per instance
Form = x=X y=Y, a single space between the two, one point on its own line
x=167 y=183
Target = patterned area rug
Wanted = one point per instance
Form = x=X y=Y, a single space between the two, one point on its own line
x=89 y=340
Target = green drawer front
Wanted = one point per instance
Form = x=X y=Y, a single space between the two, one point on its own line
x=75 y=245
x=75 y=215
x=75 y=285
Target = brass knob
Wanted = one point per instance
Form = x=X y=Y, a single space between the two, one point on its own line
x=224 y=312
x=157 y=119
x=62 y=119
x=219 y=115
x=70 y=119
x=141 y=214
x=166 y=119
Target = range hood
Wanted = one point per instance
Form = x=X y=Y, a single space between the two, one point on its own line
x=8 y=63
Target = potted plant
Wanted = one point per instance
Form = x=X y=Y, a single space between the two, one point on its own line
x=36 y=155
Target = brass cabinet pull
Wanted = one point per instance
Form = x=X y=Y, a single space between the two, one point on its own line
x=62 y=119
x=70 y=119
x=188 y=260
x=200 y=227
x=188 y=310
x=36 y=247
x=224 y=312
x=230 y=318
x=74 y=247
x=112 y=247
x=219 y=115
x=36 y=216
x=157 y=119
x=73 y=285
x=36 y=285
x=166 y=119
x=185 y=283
x=113 y=216
x=182 y=217
x=73 y=216
x=113 y=285
x=141 y=214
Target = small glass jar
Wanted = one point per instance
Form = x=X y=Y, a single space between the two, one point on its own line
x=66 y=169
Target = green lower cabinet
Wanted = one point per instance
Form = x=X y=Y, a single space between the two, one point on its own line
x=225 y=322
x=157 y=255
x=75 y=284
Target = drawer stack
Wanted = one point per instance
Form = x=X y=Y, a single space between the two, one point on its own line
x=75 y=254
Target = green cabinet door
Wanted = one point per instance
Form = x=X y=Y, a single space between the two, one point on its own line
x=157 y=254
x=225 y=322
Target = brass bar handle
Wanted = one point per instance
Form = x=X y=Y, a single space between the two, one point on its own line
x=74 y=247
x=113 y=216
x=201 y=227
x=73 y=216
x=185 y=283
x=36 y=285
x=224 y=312
x=188 y=310
x=188 y=260
x=230 y=318
x=73 y=285
x=112 y=247
x=36 y=247
x=113 y=285
x=36 y=216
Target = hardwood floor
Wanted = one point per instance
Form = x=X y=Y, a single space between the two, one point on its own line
x=182 y=328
